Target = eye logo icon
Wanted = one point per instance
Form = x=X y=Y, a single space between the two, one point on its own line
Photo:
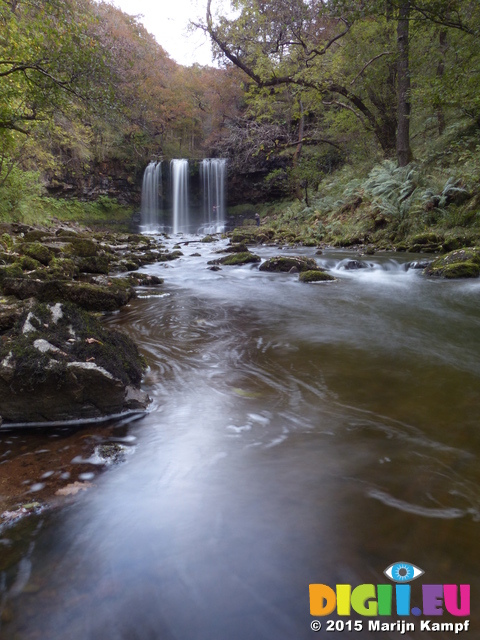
x=403 y=572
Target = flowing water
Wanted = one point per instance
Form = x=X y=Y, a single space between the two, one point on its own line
x=299 y=434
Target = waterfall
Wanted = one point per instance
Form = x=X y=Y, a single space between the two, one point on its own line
x=212 y=174
x=150 y=207
x=179 y=174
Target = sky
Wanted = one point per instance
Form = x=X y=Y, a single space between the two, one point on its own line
x=168 y=20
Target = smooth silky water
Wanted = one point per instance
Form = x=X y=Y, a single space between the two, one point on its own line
x=299 y=434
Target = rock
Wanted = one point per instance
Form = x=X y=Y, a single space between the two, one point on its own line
x=285 y=263
x=315 y=276
x=215 y=268
x=83 y=247
x=236 y=258
x=352 y=265
x=37 y=251
x=165 y=257
x=461 y=263
x=418 y=264
x=234 y=248
x=144 y=280
x=208 y=238
x=94 y=264
x=60 y=363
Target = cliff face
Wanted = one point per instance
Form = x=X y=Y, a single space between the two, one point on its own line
x=90 y=181
x=115 y=179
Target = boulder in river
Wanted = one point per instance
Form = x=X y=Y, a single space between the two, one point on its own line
x=315 y=276
x=60 y=363
x=285 y=263
x=461 y=263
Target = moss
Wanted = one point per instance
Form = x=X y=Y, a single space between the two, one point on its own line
x=244 y=257
x=7 y=241
x=315 y=276
x=88 y=296
x=83 y=248
x=11 y=271
x=94 y=264
x=424 y=248
x=63 y=268
x=426 y=238
x=234 y=248
x=461 y=263
x=244 y=236
x=28 y=264
x=208 y=239
x=112 y=350
x=130 y=265
x=286 y=263
x=37 y=234
x=165 y=257
x=37 y=251
x=462 y=270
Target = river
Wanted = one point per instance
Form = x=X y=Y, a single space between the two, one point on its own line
x=299 y=434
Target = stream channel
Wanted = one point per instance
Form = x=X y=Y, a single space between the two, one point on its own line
x=299 y=433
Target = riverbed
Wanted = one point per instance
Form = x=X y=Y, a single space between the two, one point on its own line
x=298 y=434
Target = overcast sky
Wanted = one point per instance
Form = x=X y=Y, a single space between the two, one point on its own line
x=168 y=20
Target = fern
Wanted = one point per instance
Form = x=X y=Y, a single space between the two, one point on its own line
x=440 y=200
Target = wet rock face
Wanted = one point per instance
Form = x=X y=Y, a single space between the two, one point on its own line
x=59 y=363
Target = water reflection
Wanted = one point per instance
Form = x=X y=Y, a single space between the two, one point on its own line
x=300 y=434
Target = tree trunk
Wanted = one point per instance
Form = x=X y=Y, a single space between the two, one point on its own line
x=440 y=69
x=404 y=152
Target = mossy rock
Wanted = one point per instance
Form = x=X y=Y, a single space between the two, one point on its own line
x=462 y=270
x=315 y=276
x=83 y=248
x=88 y=296
x=37 y=251
x=287 y=263
x=36 y=235
x=7 y=258
x=461 y=263
x=166 y=257
x=424 y=248
x=28 y=264
x=22 y=288
x=144 y=280
x=130 y=265
x=11 y=271
x=61 y=363
x=94 y=264
x=63 y=269
x=426 y=238
x=208 y=238
x=401 y=247
x=234 y=248
x=244 y=236
x=7 y=241
x=244 y=257
x=455 y=242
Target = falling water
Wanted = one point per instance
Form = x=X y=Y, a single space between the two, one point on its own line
x=212 y=173
x=152 y=180
x=179 y=173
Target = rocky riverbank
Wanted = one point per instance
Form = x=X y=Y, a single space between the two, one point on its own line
x=58 y=363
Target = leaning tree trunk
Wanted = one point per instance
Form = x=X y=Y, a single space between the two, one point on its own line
x=404 y=152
